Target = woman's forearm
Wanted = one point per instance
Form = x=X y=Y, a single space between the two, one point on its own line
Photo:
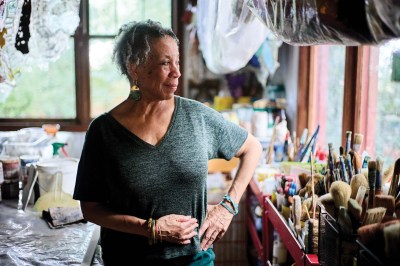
x=249 y=155
x=99 y=214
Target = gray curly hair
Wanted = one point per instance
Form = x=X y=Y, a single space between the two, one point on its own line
x=132 y=43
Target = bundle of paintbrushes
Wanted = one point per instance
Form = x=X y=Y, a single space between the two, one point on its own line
x=350 y=191
x=383 y=238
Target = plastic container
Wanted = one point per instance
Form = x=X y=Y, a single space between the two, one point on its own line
x=47 y=170
x=333 y=248
x=29 y=141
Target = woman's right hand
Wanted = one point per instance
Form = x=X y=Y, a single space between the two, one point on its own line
x=177 y=229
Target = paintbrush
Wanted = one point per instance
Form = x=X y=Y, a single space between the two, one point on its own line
x=397 y=209
x=357 y=142
x=348 y=143
x=302 y=143
x=270 y=151
x=386 y=201
x=313 y=184
x=309 y=148
x=313 y=226
x=357 y=181
x=340 y=192
x=296 y=213
x=371 y=182
x=361 y=194
x=343 y=171
x=391 y=235
x=379 y=171
x=374 y=215
x=356 y=162
x=331 y=162
x=365 y=161
x=394 y=185
x=344 y=222
x=341 y=151
x=350 y=170
x=354 y=209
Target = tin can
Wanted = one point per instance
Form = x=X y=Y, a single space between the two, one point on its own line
x=11 y=168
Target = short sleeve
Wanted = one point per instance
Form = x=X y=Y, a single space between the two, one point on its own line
x=231 y=138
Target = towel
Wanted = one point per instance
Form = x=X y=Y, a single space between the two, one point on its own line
x=60 y=216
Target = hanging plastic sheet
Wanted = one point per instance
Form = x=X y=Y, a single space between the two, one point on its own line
x=33 y=33
x=312 y=22
x=229 y=34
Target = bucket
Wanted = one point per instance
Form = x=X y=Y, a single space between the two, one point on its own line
x=47 y=170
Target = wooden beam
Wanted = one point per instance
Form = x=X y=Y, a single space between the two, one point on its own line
x=304 y=101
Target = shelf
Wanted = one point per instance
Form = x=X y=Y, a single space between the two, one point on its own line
x=255 y=239
x=273 y=220
x=285 y=233
x=259 y=244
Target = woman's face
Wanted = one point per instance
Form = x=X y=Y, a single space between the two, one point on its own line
x=158 y=76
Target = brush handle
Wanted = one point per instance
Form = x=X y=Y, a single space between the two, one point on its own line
x=309 y=145
x=348 y=142
x=365 y=162
x=371 y=196
x=331 y=163
x=371 y=178
x=343 y=171
x=378 y=181
x=360 y=195
x=349 y=167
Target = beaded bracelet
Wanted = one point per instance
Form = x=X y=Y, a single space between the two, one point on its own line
x=227 y=198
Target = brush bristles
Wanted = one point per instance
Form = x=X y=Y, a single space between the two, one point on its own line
x=355 y=210
x=296 y=207
x=374 y=215
x=386 y=201
x=357 y=181
x=368 y=233
x=392 y=241
x=313 y=226
x=358 y=138
x=340 y=192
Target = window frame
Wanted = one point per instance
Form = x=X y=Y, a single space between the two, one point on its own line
x=82 y=74
x=360 y=92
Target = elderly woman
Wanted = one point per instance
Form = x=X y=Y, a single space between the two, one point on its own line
x=143 y=170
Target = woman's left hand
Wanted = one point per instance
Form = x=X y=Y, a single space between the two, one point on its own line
x=214 y=227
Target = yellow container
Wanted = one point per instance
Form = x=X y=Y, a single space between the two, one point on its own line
x=223 y=103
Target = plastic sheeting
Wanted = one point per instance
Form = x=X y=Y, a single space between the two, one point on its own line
x=312 y=22
x=229 y=34
x=26 y=239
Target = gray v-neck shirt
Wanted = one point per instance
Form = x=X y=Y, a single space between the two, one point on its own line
x=136 y=178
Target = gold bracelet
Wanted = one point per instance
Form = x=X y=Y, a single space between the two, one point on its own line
x=149 y=225
x=153 y=231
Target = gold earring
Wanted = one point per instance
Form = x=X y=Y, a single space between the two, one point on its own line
x=135 y=93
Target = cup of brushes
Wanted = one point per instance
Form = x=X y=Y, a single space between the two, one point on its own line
x=358 y=206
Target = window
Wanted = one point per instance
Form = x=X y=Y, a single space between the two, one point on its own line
x=108 y=87
x=44 y=92
x=387 y=142
x=84 y=82
x=369 y=102
x=328 y=73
